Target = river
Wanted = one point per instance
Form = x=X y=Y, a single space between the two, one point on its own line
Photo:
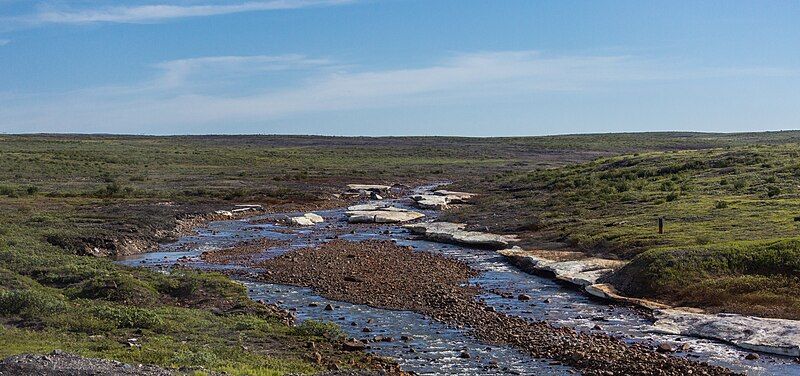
x=433 y=348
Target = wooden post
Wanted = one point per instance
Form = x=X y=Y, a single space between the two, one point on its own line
x=660 y=225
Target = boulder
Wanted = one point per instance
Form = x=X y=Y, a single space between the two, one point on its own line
x=353 y=345
x=447 y=232
x=426 y=201
x=301 y=221
x=316 y=218
x=776 y=336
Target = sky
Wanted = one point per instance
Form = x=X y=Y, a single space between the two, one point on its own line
x=398 y=67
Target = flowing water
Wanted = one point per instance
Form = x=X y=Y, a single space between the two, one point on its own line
x=433 y=348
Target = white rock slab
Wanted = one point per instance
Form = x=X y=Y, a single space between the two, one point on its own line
x=382 y=216
x=316 y=218
x=447 y=232
x=427 y=201
x=368 y=187
x=775 y=336
x=301 y=221
x=454 y=197
x=579 y=272
x=366 y=207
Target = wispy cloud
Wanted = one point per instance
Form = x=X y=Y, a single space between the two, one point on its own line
x=52 y=14
x=4 y=42
x=176 y=72
x=462 y=79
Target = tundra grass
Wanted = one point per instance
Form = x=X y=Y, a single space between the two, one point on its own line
x=713 y=202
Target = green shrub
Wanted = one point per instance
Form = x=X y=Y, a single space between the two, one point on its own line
x=314 y=328
x=773 y=191
x=127 y=317
x=116 y=287
x=30 y=303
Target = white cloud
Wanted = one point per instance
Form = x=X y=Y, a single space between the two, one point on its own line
x=4 y=42
x=160 y=12
x=176 y=72
x=463 y=79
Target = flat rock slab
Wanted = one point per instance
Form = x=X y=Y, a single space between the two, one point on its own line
x=441 y=199
x=776 y=336
x=73 y=365
x=447 y=232
x=428 y=201
x=607 y=291
x=387 y=215
x=455 y=197
x=308 y=219
x=365 y=207
x=582 y=272
x=368 y=187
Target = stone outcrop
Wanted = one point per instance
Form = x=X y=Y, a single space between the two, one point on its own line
x=775 y=336
x=447 y=232
x=374 y=213
x=583 y=272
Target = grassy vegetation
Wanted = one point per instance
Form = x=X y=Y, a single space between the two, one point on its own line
x=713 y=202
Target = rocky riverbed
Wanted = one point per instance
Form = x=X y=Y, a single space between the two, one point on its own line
x=484 y=292
x=384 y=275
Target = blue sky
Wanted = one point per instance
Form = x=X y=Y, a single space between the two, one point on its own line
x=398 y=67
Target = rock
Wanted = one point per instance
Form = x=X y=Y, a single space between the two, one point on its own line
x=328 y=307
x=353 y=345
x=579 y=272
x=665 y=348
x=441 y=199
x=371 y=190
x=301 y=221
x=426 y=201
x=224 y=213
x=752 y=356
x=524 y=297
x=464 y=355
x=316 y=218
x=62 y=364
x=777 y=336
x=454 y=197
x=366 y=207
x=368 y=187
x=383 y=215
x=447 y=232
